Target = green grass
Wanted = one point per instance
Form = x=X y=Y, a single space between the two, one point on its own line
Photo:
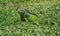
x=47 y=10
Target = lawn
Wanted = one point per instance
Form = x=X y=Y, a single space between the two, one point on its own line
x=48 y=23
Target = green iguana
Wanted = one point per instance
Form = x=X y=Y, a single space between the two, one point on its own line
x=28 y=15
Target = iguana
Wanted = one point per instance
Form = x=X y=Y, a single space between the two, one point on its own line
x=26 y=14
